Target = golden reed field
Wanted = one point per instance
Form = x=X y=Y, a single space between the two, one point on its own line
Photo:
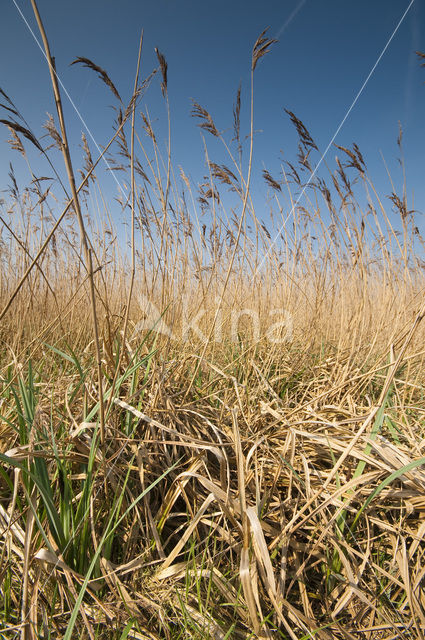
x=211 y=426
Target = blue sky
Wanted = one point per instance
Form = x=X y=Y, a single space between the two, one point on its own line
x=325 y=52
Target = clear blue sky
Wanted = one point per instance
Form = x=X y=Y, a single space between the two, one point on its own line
x=325 y=52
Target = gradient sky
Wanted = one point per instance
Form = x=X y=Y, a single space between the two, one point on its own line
x=325 y=52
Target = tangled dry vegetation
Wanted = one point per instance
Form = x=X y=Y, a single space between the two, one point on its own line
x=210 y=481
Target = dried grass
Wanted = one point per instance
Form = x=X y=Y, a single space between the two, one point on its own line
x=244 y=488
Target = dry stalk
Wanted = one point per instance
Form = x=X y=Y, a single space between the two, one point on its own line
x=76 y=202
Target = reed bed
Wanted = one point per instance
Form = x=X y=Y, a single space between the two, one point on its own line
x=217 y=430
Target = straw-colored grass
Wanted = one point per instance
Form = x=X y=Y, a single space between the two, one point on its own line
x=211 y=476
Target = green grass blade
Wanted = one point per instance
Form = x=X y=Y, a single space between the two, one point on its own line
x=394 y=476
x=109 y=531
